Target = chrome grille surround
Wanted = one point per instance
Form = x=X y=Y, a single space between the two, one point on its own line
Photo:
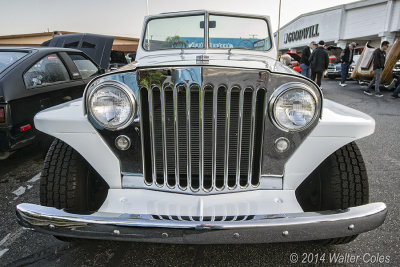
x=199 y=138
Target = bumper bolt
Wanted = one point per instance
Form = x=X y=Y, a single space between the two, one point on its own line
x=285 y=233
x=236 y=235
x=164 y=235
x=351 y=227
x=52 y=226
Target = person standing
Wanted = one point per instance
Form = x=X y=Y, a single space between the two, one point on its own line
x=304 y=62
x=379 y=64
x=347 y=59
x=319 y=61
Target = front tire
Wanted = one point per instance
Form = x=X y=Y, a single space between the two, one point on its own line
x=68 y=182
x=340 y=182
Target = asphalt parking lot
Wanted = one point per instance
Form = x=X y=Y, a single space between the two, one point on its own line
x=19 y=183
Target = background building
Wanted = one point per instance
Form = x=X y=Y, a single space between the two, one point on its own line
x=124 y=44
x=370 y=21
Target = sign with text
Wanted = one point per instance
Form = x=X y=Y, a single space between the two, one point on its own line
x=305 y=33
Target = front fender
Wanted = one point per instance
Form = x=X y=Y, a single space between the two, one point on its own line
x=68 y=123
x=338 y=126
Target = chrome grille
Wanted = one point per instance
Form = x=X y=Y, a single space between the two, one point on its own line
x=202 y=139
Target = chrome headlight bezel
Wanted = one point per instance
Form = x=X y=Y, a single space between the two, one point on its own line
x=286 y=88
x=123 y=88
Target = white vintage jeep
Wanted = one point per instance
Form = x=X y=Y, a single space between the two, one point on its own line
x=205 y=139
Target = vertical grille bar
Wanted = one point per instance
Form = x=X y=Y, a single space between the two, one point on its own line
x=145 y=134
x=239 y=138
x=251 y=147
x=246 y=135
x=170 y=134
x=227 y=131
x=155 y=122
x=261 y=111
x=214 y=139
x=176 y=135
x=195 y=92
x=164 y=137
x=220 y=137
x=189 y=143
x=234 y=114
x=182 y=134
x=201 y=139
x=208 y=137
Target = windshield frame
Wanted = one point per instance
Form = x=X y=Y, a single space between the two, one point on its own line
x=206 y=30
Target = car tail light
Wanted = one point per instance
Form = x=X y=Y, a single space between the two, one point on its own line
x=2 y=115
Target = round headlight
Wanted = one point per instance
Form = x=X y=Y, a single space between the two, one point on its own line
x=294 y=107
x=112 y=105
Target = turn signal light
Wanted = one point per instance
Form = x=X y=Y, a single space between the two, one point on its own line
x=2 y=115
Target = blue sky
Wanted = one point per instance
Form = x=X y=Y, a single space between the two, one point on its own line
x=124 y=17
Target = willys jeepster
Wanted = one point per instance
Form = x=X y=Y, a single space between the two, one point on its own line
x=206 y=138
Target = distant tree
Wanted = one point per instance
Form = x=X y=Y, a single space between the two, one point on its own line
x=175 y=42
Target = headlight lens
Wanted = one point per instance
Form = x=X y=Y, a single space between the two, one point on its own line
x=112 y=105
x=294 y=109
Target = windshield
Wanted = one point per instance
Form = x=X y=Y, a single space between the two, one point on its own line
x=225 y=32
x=238 y=33
x=9 y=57
x=174 y=33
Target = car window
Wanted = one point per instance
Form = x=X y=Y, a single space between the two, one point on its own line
x=174 y=33
x=86 y=67
x=48 y=70
x=239 y=33
x=8 y=58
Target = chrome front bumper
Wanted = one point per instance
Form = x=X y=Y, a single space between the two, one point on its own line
x=150 y=228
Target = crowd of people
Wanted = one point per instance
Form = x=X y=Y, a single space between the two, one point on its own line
x=315 y=60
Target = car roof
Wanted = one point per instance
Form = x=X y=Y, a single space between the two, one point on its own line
x=38 y=49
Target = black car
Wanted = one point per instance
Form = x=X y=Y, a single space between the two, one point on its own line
x=33 y=79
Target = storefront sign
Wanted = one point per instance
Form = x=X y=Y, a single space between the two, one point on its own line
x=305 y=33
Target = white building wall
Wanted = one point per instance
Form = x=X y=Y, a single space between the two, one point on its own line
x=395 y=25
x=361 y=21
x=364 y=21
x=328 y=31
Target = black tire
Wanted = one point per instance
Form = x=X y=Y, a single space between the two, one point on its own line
x=340 y=182
x=68 y=182
x=332 y=77
x=63 y=181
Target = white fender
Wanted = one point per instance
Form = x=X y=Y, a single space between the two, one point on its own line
x=338 y=126
x=68 y=123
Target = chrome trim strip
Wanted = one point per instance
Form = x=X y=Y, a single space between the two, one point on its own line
x=142 y=134
x=252 y=125
x=214 y=138
x=201 y=139
x=260 y=229
x=153 y=147
x=262 y=135
x=176 y=137
x=227 y=125
x=188 y=142
x=164 y=136
x=239 y=140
